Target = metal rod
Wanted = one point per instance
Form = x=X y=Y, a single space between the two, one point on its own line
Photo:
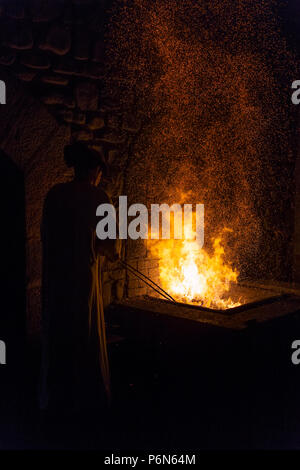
x=148 y=284
x=138 y=274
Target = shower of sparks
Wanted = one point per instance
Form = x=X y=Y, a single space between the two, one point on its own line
x=211 y=80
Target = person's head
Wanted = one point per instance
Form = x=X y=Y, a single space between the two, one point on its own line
x=87 y=163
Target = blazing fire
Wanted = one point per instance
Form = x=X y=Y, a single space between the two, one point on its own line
x=190 y=275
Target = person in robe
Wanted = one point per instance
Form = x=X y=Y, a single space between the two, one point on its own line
x=75 y=369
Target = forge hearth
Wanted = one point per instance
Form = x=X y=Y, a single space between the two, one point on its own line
x=244 y=298
x=231 y=310
x=212 y=367
x=261 y=304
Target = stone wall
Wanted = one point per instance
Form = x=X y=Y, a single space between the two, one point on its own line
x=34 y=140
x=296 y=237
x=55 y=49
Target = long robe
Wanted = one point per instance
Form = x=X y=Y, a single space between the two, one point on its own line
x=75 y=369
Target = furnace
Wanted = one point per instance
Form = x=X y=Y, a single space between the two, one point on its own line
x=261 y=304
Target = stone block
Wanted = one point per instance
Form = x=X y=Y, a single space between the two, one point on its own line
x=7 y=56
x=68 y=66
x=131 y=123
x=56 y=98
x=66 y=115
x=94 y=71
x=135 y=282
x=96 y=122
x=153 y=263
x=79 y=118
x=153 y=274
x=15 y=9
x=136 y=291
x=136 y=248
x=18 y=35
x=96 y=20
x=45 y=10
x=35 y=60
x=113 y=121
x=81 y=45
x=54 y=79
x=143 y=264
x=72 y=117
x=108 y=104
x=69 y=102
x=133 y=262
x=58 y=40
x=26 y=75
x=82 y=135
x=99 y=149
x=53 y=98
x=114 y=138
x=98 y=51
x=87 y=96
x=153 y=293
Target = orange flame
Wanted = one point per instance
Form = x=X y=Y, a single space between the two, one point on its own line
x=190 y=275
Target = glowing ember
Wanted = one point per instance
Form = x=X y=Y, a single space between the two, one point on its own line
x=189 y=274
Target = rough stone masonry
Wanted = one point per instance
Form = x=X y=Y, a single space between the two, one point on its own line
x=56 y=49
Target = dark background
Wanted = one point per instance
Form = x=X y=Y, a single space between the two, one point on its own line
x=269 y=384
